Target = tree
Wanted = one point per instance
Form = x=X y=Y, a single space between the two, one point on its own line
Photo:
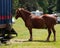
x=28 y=4
x=58 y=6
x=33 y=5
x=15 y=4
x=47 y=5
x=43 y=4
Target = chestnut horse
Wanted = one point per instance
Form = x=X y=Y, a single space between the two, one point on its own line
x=33 y=21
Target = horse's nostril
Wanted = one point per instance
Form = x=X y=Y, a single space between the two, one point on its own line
x=15 y=18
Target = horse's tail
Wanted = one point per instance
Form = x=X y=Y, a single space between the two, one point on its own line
x=55 y=15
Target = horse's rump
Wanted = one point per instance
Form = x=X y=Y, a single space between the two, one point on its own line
x=50 y=20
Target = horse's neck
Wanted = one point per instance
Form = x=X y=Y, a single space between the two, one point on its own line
x=24 y=19
x=25 y=16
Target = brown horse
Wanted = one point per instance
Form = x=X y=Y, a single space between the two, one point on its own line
x=33 y=21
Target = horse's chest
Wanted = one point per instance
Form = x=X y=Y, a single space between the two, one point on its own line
x=28 y=23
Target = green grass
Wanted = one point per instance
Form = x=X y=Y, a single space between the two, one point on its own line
x=39 y=36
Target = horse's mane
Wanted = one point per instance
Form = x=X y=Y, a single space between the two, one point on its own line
x=24 y=13
x=27 y=13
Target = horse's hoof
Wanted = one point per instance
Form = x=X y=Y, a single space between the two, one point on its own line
x=30 y=39
x=47 y=40
x=54 y=40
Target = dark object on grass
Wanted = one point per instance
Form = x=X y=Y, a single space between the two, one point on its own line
x=6 y=33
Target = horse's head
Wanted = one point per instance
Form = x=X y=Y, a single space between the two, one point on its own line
x=21 y=12
x=18 y=13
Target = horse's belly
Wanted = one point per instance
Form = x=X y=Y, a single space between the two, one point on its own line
x=38 y=25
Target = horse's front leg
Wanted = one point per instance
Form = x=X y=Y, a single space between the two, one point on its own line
x=30 y=31
x=49 y=33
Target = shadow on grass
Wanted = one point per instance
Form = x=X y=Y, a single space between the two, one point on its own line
x=24 y=40
x=42 y=41
x=33 y=41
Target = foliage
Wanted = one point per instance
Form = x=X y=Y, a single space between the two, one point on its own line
x=33 y=5
x=43 y=4
x=58 y=6
x=14 y=6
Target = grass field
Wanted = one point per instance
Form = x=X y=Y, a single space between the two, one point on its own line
x=39 y=37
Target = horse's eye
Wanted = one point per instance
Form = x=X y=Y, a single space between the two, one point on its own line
x=18 y=12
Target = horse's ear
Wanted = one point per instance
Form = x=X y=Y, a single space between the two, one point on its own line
x=17 y=10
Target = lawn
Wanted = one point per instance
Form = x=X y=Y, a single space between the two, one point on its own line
x=39 y=37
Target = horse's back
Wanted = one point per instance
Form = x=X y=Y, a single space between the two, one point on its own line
x=43 y=21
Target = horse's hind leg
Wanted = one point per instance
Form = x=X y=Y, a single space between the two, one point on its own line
x=49 y=33
x=54 y=32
